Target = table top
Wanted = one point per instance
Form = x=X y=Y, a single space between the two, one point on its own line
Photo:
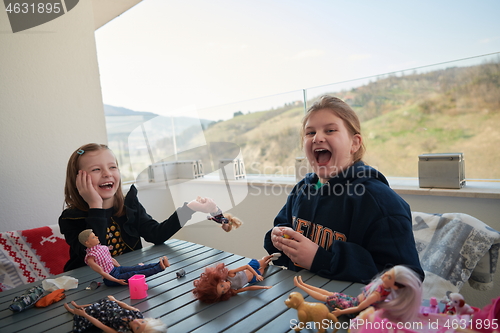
x=170 y=298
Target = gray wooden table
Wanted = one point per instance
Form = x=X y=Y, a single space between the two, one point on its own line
x=170 y=298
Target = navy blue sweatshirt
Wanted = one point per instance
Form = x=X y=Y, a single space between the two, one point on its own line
x=360 y=224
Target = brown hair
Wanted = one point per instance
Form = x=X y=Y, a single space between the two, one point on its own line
x=72 y=198
x=205 y=288
x=342 y=110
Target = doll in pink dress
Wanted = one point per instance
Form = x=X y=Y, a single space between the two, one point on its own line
x=398 y=290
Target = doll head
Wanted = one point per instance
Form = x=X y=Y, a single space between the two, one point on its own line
x=404 y=302
x=87 y=238
x=232 y=222
x=205 y=288
x=72 y=197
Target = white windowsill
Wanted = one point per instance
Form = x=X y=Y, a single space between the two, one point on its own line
x=485 y=189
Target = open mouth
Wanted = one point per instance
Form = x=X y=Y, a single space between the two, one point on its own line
x=322 y=156
x=107 y=186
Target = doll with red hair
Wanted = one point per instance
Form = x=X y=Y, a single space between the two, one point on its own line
x=218 y=283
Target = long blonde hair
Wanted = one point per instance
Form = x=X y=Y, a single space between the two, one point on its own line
x=404 y=303
x=72 y=197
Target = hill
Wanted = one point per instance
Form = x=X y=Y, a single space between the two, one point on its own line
x=450 y=110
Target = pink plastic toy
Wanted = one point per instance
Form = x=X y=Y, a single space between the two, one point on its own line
x=138 y=286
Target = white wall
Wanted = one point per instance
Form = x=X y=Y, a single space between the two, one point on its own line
x=261 y=205
x=50 y=104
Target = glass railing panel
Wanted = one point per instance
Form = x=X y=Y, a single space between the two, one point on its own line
x=448 y=107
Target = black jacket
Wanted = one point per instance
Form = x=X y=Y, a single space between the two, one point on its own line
x=136 y=223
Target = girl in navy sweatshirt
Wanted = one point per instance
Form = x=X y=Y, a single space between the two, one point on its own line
x=343 y=221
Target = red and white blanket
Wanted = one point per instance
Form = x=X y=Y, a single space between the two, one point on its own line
x=31 y=255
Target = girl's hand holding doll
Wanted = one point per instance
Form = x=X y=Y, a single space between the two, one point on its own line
x=300 y=249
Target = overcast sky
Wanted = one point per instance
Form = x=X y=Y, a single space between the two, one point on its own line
x=164 y=55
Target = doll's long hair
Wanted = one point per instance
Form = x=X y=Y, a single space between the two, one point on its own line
x=403 y=304
x=205 y=288
x=154 y=325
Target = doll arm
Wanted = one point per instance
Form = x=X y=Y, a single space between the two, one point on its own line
x=122 y=304
x=94 y=321
x=91 y=262
x=252 y=288
x=115 y=262
x=374 y=297
x=232 y=272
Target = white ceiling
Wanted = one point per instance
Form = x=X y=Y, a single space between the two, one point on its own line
x=107 y=10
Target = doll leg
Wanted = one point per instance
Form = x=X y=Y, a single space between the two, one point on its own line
x=316 y=293
x=122 y=304
x=310 y=287
x=126 y=272
x=264 y=263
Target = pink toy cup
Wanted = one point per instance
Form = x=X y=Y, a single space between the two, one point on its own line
x=138 y=286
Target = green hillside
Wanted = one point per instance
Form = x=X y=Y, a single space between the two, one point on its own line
x=451 y=110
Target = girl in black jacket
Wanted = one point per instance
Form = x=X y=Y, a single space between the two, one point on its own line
x=94 y=200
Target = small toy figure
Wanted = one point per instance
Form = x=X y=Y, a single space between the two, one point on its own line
x=400 y=285
x=111 y=315
x=309 y=311
x=227 y=221
x=218 y=283
x=99 y=259
x=458 y=305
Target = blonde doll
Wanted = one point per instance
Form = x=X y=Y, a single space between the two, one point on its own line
x=397 y=290
x=113 y=316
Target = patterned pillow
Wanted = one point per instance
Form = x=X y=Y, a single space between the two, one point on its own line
x=31 y=255
x=455 y=248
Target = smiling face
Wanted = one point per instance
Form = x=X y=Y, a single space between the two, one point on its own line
x=102 y=167
x=328 y=144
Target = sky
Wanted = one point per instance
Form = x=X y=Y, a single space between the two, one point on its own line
x=170 y=56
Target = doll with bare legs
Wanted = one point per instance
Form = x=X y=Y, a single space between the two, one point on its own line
x=397 y=290
x=113 y=316
x=218 y=283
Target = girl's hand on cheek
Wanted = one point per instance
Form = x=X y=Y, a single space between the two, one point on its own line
x=87 y=190
x=299 y=249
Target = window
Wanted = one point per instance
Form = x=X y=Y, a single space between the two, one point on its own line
x=451 y=107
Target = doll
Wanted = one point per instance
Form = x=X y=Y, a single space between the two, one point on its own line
x=398 y=290
x=458 y=305
x=99 y=259
x=227 y=221
x=218 y=283
x=112 y=316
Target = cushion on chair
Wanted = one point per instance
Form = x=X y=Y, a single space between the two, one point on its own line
x=454 y=248
x=31 y=255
